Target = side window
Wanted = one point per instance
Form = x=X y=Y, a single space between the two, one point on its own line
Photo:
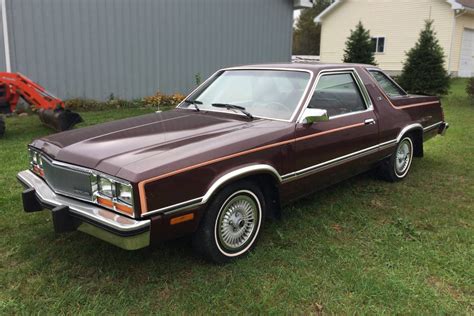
x=337 y=94
x=390 y=88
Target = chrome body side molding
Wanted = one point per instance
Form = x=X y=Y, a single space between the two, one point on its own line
x=235 y=174
x=408 y=128
x=336 y=161
x=431 y=127
x=262 y=168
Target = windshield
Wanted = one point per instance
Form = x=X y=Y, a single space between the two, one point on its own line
x=273 y=94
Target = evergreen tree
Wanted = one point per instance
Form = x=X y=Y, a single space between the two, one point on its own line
x=424 y=71
x=307 y=34
x=359 y=48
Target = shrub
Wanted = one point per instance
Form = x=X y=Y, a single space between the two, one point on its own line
x=359 y=48
x=81 y=104
x=470 y=89
x=423 y=71
x=162 y=100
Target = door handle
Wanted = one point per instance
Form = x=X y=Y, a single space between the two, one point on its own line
x=369 y=122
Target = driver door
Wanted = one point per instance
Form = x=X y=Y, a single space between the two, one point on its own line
x=345 y=144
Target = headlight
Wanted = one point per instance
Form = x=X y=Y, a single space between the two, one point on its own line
x=36 y=162
x=107 y=192
x=124 y=193
x=113 y=194
x=34 y=156
x=106 y=187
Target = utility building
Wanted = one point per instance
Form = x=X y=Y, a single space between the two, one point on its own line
x=131 y=48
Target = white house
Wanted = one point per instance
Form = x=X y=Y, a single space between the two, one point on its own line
x=395 y=26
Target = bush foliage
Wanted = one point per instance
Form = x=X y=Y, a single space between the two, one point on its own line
x=160 y=100
x=470 y=89
x=359 y=48
x=424 y=71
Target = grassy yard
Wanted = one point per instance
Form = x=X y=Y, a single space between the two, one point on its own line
x=363 y=246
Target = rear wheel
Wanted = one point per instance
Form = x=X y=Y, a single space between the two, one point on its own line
x=398 y=165
x=232 y=223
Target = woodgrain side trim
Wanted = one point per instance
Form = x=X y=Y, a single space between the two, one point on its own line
x=141 y=185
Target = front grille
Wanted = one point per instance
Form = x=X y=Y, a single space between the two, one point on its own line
x=67 y=181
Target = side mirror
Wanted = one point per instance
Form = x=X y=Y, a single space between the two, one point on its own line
x=311 y=116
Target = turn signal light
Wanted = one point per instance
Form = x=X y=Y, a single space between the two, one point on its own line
x=183 y=218
x=105 y=202
x=114 y=205
x=124 y=208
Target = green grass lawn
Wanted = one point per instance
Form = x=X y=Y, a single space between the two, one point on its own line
x=363 y=246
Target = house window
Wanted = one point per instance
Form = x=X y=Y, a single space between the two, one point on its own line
x=378 y=44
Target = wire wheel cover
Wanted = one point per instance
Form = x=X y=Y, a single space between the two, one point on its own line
x=403 y=157
x=237 y=222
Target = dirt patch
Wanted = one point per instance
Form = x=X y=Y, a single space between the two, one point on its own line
x=444 y=288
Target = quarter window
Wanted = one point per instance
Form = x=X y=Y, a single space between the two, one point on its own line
x=390 y=87
x=378 y=44
x=338 y=94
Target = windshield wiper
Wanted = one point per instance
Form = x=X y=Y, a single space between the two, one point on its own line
x=194 y=102
x=233 y=107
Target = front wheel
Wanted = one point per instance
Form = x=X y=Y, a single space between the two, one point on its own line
x=398 y=165
x=232 y=223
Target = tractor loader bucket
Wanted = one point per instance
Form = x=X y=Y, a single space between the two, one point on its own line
x=59 y=119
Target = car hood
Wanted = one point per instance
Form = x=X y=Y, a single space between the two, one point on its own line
x=139 y=147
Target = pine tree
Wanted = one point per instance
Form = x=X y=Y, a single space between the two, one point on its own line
x=307 y=34
x=424 y=71
x=359 y=48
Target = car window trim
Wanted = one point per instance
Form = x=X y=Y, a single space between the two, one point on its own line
x=360 y=84
x=220 y=71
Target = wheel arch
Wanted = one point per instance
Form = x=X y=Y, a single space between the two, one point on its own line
x=416 y=132
x=266 y=177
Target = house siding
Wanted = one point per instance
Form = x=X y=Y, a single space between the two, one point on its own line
x=131 y=48
x=400 y=21
x=464 y=21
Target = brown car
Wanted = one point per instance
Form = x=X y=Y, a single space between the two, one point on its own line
x=243 y=143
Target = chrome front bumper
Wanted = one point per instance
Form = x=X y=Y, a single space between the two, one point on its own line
x=71 y=214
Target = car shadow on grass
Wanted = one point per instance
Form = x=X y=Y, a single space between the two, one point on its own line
x=87 y=250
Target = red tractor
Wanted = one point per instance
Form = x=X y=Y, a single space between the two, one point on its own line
x=50 y=109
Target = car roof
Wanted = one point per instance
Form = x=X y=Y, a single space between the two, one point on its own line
x=313 y=67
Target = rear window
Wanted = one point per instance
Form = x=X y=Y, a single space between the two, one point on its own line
x=387 y=84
